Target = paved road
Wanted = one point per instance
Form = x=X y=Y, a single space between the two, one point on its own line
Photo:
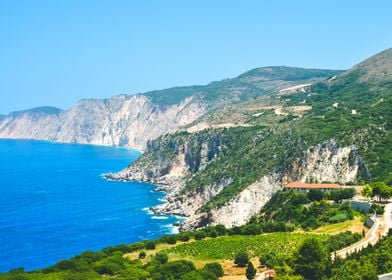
x=379 y=229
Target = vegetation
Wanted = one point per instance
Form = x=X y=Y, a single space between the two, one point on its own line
x=352 y=109
x=311 y=260
x=241 y=259
x=275 y=249
x=282 y=245
x=301 y=211
x=366 y=264
x=381 y=190
x=250 y=271
x=243 y=87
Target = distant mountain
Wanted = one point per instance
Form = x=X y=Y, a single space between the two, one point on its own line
x=251 y=84
x=223 y=167
x=44 y=110
x=132 y=120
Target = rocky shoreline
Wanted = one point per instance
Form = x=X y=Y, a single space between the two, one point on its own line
x=323 y=162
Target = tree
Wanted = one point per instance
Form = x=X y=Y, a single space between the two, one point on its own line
x=311 y=259
x=315 y=195
x=171 y=239
x=161 y=258
x=142 y=255
x=215 y=268
x=241 y=259
x=367 y=191
x=220 y=229
x=199 y=235
x=250 y=271
x=385 y=192
x=213 y=233
x=150 y=245
x=339 y=195
x=184 y=236
x=381 y=190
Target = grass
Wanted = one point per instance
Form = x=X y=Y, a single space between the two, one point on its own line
x=355 y=225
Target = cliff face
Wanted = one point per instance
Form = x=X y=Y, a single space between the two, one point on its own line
x=132 y=120
x=170 y=160
x=323 y=162
x=123 y=120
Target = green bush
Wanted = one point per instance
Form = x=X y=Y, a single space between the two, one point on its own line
x=149 y=245
x=184 y=237
x=142 y=255
x=200 y=235
x=215 y=268
x=161 y=258
x=241 y=259
x=171 y=239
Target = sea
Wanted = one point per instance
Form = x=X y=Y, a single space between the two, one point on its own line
x=55 y=203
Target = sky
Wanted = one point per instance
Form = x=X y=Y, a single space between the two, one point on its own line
x=57 y=52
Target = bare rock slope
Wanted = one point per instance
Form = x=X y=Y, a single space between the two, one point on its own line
x=122 y=120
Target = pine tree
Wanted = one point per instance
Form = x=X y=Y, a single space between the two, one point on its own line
x=250 y=271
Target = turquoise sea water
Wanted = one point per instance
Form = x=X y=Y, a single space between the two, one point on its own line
x=54 y=202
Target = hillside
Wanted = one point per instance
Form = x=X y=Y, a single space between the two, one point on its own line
x=224 y=172
x=184 y=256
x=132 y=120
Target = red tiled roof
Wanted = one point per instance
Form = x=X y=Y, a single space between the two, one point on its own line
x=313 y=186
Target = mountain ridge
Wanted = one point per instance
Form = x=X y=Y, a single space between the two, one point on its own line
x=132 y=120
x=344 y=121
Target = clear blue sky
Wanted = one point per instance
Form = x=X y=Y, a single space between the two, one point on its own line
x=56 y=52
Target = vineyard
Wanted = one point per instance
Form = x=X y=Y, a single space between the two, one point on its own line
x=226 y=247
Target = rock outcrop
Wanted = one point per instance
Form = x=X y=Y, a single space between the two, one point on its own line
x=169 y=165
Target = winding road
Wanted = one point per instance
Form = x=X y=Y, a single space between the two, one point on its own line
x=379 y=229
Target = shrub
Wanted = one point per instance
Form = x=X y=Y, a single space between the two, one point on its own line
x=174 y=270
x=213 y=233
x=161 y=258
x=315 y=195
x=184 y=237
x=241 y=259
x=150 y=245
x=250 y=271
x=215 y=268
x=142 y=255
x=171 y=239
x=251 y=229
x=220 y=229
x=199 y=235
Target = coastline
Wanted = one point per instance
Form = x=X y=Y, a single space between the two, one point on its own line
x=156 y=209
x=138 y=150
x=61 y=174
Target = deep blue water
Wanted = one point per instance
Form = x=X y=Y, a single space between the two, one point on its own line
x=54 y=202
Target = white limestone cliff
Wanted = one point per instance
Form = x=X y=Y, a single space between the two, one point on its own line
x=123 y=120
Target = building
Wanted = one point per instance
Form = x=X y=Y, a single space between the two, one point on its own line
x=305 y=187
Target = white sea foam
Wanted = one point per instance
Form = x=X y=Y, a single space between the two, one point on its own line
x=173 y=229
x=148 y=210
x=159 y=217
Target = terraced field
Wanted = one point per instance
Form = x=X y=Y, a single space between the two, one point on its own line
x=226 y=247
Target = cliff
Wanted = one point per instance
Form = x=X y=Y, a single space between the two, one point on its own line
x=342 y=134
x=122 y=120
x=324 y=162
x=132 y=120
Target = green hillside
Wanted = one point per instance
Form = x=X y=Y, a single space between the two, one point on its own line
x=252 y=84
x=352 y=109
